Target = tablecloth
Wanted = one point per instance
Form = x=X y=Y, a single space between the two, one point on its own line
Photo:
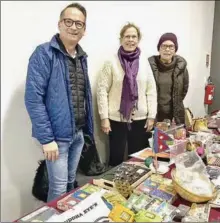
x=214 y=212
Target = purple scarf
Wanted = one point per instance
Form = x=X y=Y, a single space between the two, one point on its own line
x=129 y=97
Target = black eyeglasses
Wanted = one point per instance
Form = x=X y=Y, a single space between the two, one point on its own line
x=170 y=47
x=70 y=22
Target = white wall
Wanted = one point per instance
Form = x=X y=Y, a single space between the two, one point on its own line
x=27 y=24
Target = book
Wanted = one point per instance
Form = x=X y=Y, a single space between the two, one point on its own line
x=168 y=189
x=120 y=213
x=200 y=212
x=162 y=195
x=165 y=210
x=146 y=186
x=142 y=201
x=159 y=187
x=157 y=178
x=71 y=200
x=153 y=204
x=90 y=188
x=147 y=216
x=67 y=203
x=74 y=198
x=131 y=201
x=91 y=209
x=113 y=198
x=215 y=203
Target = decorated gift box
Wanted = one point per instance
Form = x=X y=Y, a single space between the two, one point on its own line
x=128 y=174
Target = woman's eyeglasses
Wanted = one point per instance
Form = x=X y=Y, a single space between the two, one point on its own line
x=170 y=47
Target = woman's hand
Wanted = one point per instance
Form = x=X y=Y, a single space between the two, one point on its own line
x=105 y=125
x=149 y=124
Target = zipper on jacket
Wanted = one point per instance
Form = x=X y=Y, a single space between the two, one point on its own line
x=77 y=90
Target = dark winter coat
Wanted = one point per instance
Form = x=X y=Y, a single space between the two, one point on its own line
x=180 y=84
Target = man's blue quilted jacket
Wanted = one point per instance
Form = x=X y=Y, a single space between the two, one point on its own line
x=48 y=95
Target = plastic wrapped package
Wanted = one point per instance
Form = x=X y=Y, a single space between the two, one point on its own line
x=191 y=162
x=204 y=137
x=192 y=175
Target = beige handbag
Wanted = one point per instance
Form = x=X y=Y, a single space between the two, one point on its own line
x=188 y=118
x=200 y=124
x=195 y=124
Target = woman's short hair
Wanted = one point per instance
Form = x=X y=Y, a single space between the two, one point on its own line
x=127 y=26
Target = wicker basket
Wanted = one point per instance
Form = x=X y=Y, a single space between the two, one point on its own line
x=188 y=195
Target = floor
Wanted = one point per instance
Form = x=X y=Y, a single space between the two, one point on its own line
x=82 y=179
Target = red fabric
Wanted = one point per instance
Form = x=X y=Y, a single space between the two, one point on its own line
x=214 y=212
x=160 y=139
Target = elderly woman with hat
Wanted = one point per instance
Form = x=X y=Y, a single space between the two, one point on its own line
x=172 y=79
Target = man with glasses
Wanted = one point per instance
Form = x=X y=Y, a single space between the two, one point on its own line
x=172 y=79
x=58 y=99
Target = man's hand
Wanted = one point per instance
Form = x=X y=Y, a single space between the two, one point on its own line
x=105 y=125
x=51 y=151
x=149 y=124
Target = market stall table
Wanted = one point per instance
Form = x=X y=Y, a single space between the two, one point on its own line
x=214 y=212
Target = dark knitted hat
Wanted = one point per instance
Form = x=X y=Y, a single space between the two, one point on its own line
x=168 y=36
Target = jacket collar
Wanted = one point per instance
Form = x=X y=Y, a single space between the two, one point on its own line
x=180 y=62
x=58 y=44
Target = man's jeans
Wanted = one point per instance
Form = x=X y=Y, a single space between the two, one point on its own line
x=62 y=172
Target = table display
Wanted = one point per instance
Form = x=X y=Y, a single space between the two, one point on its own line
x=189 y=191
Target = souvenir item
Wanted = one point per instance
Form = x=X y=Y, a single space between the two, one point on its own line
x=164 y=126
x=147 y=216
x=121 y=214
x=74 y=198
x=213 y=161
x=114 y=197
x=131 y=201
x=200 y=211
x=141 y=203
x=124 y=177
x=200 y=124
x=91 y=209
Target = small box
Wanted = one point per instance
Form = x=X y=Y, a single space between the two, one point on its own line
x=140 y=173
x=120 y=213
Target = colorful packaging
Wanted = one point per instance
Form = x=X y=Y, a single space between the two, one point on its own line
x=113 y=198
x=215 y=203
x=90 y=188
x=147 y=186
x=168 y=189
x=157 y=178
x=200 y=211
x=74 y=198
x=142 y=202
x=131 y=201
x=162 y=195
x=71 y=200
x=153 y=205
x=120 y=213
x=147 y=216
